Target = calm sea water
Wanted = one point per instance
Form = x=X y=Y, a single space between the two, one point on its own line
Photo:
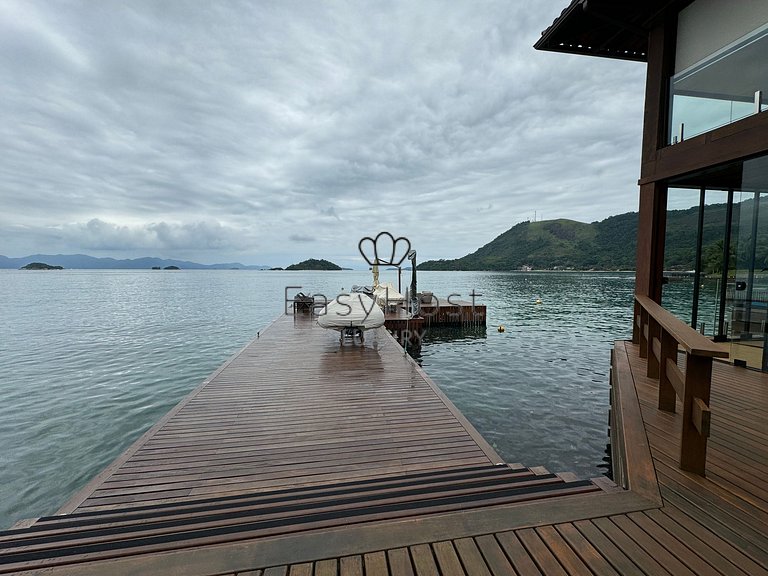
x=91 y=359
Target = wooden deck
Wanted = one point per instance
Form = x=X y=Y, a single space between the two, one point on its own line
x=295 y=437
x=293 y=409
x=666 y=522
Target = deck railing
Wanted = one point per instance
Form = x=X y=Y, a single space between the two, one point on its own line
x=660 y=335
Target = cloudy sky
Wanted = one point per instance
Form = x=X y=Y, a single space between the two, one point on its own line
x=267 y=132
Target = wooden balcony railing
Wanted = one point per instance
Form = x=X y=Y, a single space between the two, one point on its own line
x=660 y=334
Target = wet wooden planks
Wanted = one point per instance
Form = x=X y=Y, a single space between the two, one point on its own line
x=293 y=408
x=714 y=525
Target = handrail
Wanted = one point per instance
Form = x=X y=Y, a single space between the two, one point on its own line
x=660 y=335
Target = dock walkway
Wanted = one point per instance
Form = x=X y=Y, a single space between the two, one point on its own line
x=294 y=436
x=341 y=492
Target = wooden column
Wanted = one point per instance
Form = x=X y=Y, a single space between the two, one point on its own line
x=653 y=195
x=693 y=442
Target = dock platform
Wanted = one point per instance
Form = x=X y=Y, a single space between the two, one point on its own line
x=301 y=457
x=295 y=437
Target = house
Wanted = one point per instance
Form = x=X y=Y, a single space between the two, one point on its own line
x=705 y=143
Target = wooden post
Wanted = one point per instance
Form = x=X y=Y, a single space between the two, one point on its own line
x=667 y=394
x=693 y=445
x=642 y=340
x=654 y=335
x=636 y=323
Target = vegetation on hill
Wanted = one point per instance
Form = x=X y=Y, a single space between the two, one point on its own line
x=554 y=244
x=606 y=245
x=40 y=266
x=313 y=264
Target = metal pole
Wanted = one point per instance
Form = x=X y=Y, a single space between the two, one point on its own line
x=697 y=265
x=721 y=336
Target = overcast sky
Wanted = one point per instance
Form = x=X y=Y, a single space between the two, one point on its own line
x=267 y=132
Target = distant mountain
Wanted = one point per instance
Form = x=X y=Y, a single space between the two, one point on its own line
x=313 y=264
x=606 y=245
x=550 y=244
x=82 y=262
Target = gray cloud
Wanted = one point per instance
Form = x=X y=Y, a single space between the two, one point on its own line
x=214 y=129
x=301 y=238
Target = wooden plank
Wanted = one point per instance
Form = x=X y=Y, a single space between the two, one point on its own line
x=517 y=554
x=669 y=541
x=598 y=565
x=328 y=567
x=447 y=559
x=677 y=380
x=617 y=558
x=646 y=561
x=399 y=562
x=497 y=561
x=705 y=549
x=471 y=558
x=376 y=564
x=538 y=550
x=562 y=551
x=424 y=560
x=350 y=566
x=633 y=442
x=702 y=417
x=304 y=569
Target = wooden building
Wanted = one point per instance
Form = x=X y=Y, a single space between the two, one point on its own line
x=705 y=144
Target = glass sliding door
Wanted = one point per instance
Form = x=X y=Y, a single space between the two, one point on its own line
x=716 y=256
x=747 y=296
x=680 y=253
x=697 y=224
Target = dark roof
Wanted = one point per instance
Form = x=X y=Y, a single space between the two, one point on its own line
x=607 y=28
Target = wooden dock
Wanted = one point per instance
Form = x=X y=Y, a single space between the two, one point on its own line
x=293 y=439
x=300 y=457
x=434 y=312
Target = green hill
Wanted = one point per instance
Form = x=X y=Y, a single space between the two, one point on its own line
x=606 y=245
x=313 y=264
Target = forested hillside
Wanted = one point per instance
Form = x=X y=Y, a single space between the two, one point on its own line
x=609 y=244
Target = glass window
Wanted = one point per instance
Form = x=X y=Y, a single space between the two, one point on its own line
x=727 y=295
x=721 y=89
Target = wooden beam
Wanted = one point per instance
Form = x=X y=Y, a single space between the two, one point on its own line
x=693 y=445
x=653 y=339
x=737 y=141
x=669 y=376
x=692 y=341
x=676 y=379
x=702 y=416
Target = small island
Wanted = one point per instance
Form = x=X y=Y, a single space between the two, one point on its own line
x=313 y=264
x=171 y=268
x=40 y=266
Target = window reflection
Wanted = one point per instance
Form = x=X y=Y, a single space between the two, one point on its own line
x=721 y=89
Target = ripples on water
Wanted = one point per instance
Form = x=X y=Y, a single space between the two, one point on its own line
x=538 y=392
x=89 y=360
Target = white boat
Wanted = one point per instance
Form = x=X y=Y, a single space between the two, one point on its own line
x=351 y=315
x=387 y=296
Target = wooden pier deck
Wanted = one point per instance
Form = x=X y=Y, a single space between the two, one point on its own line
x=293 y=409
x=343 y=493
x=295 y=437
